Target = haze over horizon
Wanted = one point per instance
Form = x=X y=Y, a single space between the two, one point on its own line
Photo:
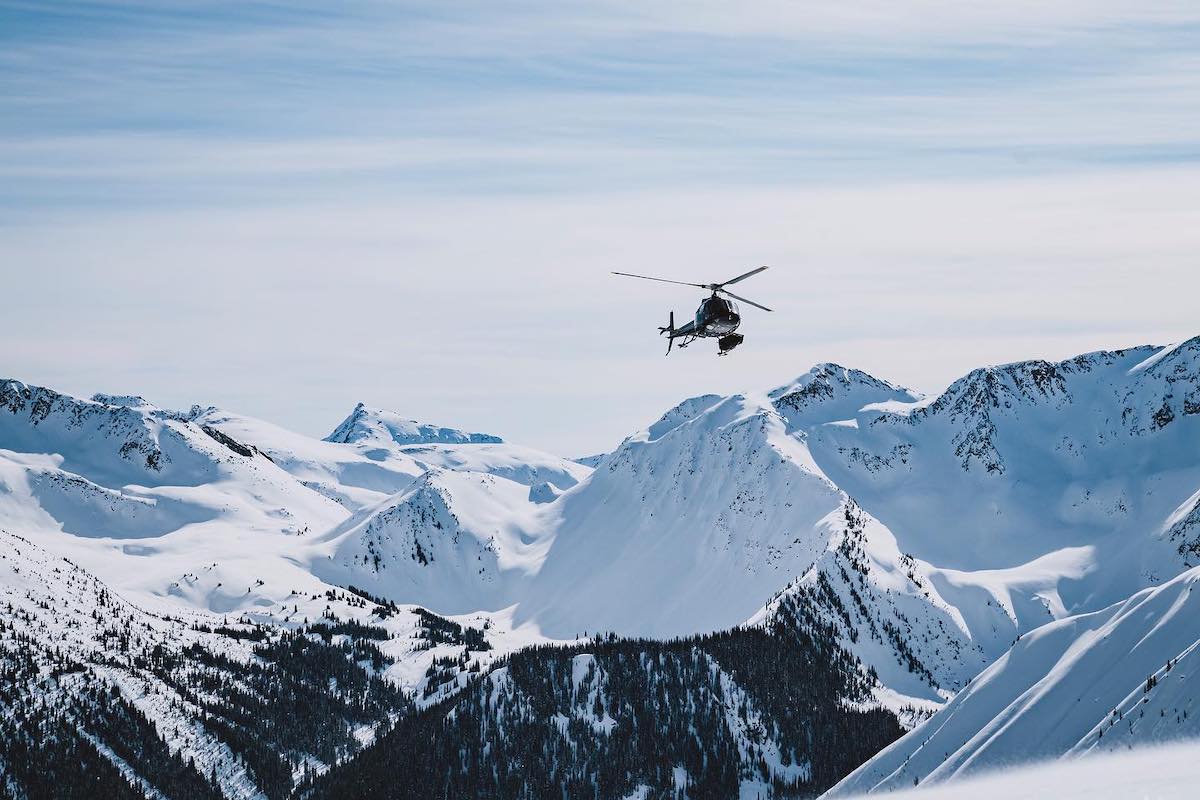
x=285 y=210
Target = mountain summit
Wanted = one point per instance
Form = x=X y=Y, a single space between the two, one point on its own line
x=367 y=424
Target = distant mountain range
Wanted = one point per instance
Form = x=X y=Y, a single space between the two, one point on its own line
x=200 y=602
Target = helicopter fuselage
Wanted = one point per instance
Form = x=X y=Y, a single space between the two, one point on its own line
x=716 y=317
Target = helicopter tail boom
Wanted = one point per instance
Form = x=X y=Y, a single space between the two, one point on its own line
x=686 y=332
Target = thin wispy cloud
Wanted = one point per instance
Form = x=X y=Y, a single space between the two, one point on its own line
x=413 y=203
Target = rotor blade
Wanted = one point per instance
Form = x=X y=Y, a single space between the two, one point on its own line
x=744 y=300
x=742 y=277
x=664 y=280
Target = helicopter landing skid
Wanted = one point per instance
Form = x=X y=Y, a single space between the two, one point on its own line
x=684 y=341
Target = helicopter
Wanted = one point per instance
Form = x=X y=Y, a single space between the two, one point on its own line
x=716 y=318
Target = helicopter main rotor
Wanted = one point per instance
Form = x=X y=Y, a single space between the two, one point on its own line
x=715 y=288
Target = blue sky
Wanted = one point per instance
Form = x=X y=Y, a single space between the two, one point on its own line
x=286 y=208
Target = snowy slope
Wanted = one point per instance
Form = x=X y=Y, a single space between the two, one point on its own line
x=454 y=541
x=379 y=434
x=592 y=460
x=690 y=525
x=1129 y=674
x=81 y=636
x=884 y=611
x=830 y=393
x=162 y=508
x=1162 y=773
x=70 y=644
x=375 y=454
x=209 y=511
x=344 y=473
x=1084 y=466
x=717 y=514
x=220 y=512
x=441 y=518
x=382 y=427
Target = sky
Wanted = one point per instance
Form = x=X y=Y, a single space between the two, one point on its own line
x=287 y=208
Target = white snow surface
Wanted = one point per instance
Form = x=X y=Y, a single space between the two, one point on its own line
x=370 y=467
x=382 y=427
x=1151 y=773
x=1103 y=681
x=668 y=537
x=1015 y=463
x=945 y=527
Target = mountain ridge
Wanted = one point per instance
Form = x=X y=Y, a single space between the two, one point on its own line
x=917 y=538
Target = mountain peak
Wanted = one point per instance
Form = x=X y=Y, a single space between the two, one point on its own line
x=1177 y=357
x=124 y=400
x=366 y=424
x=682 y=413
x=40 y=420
x=1037 y=381
x=827 y=379
x=830 y=392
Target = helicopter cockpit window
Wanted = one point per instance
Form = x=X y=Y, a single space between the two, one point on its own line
x=721 y=306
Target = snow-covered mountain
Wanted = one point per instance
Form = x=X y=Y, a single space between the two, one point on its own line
x=1014 y=462
x=1102 y=681
x=382 y=427
x=1038 y=489
x=917 y=538
x=455 y=540
x=206 y=512
x=691 y=524
x=97 y=691
x=374 y=455
x=688 y=526
x=140 y=701
x=166 y=510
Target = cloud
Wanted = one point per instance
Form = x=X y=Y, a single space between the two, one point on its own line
x=440 y=307
x=136 y=104
x=287 y=208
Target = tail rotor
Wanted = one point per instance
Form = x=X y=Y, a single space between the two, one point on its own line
x=669 y=331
